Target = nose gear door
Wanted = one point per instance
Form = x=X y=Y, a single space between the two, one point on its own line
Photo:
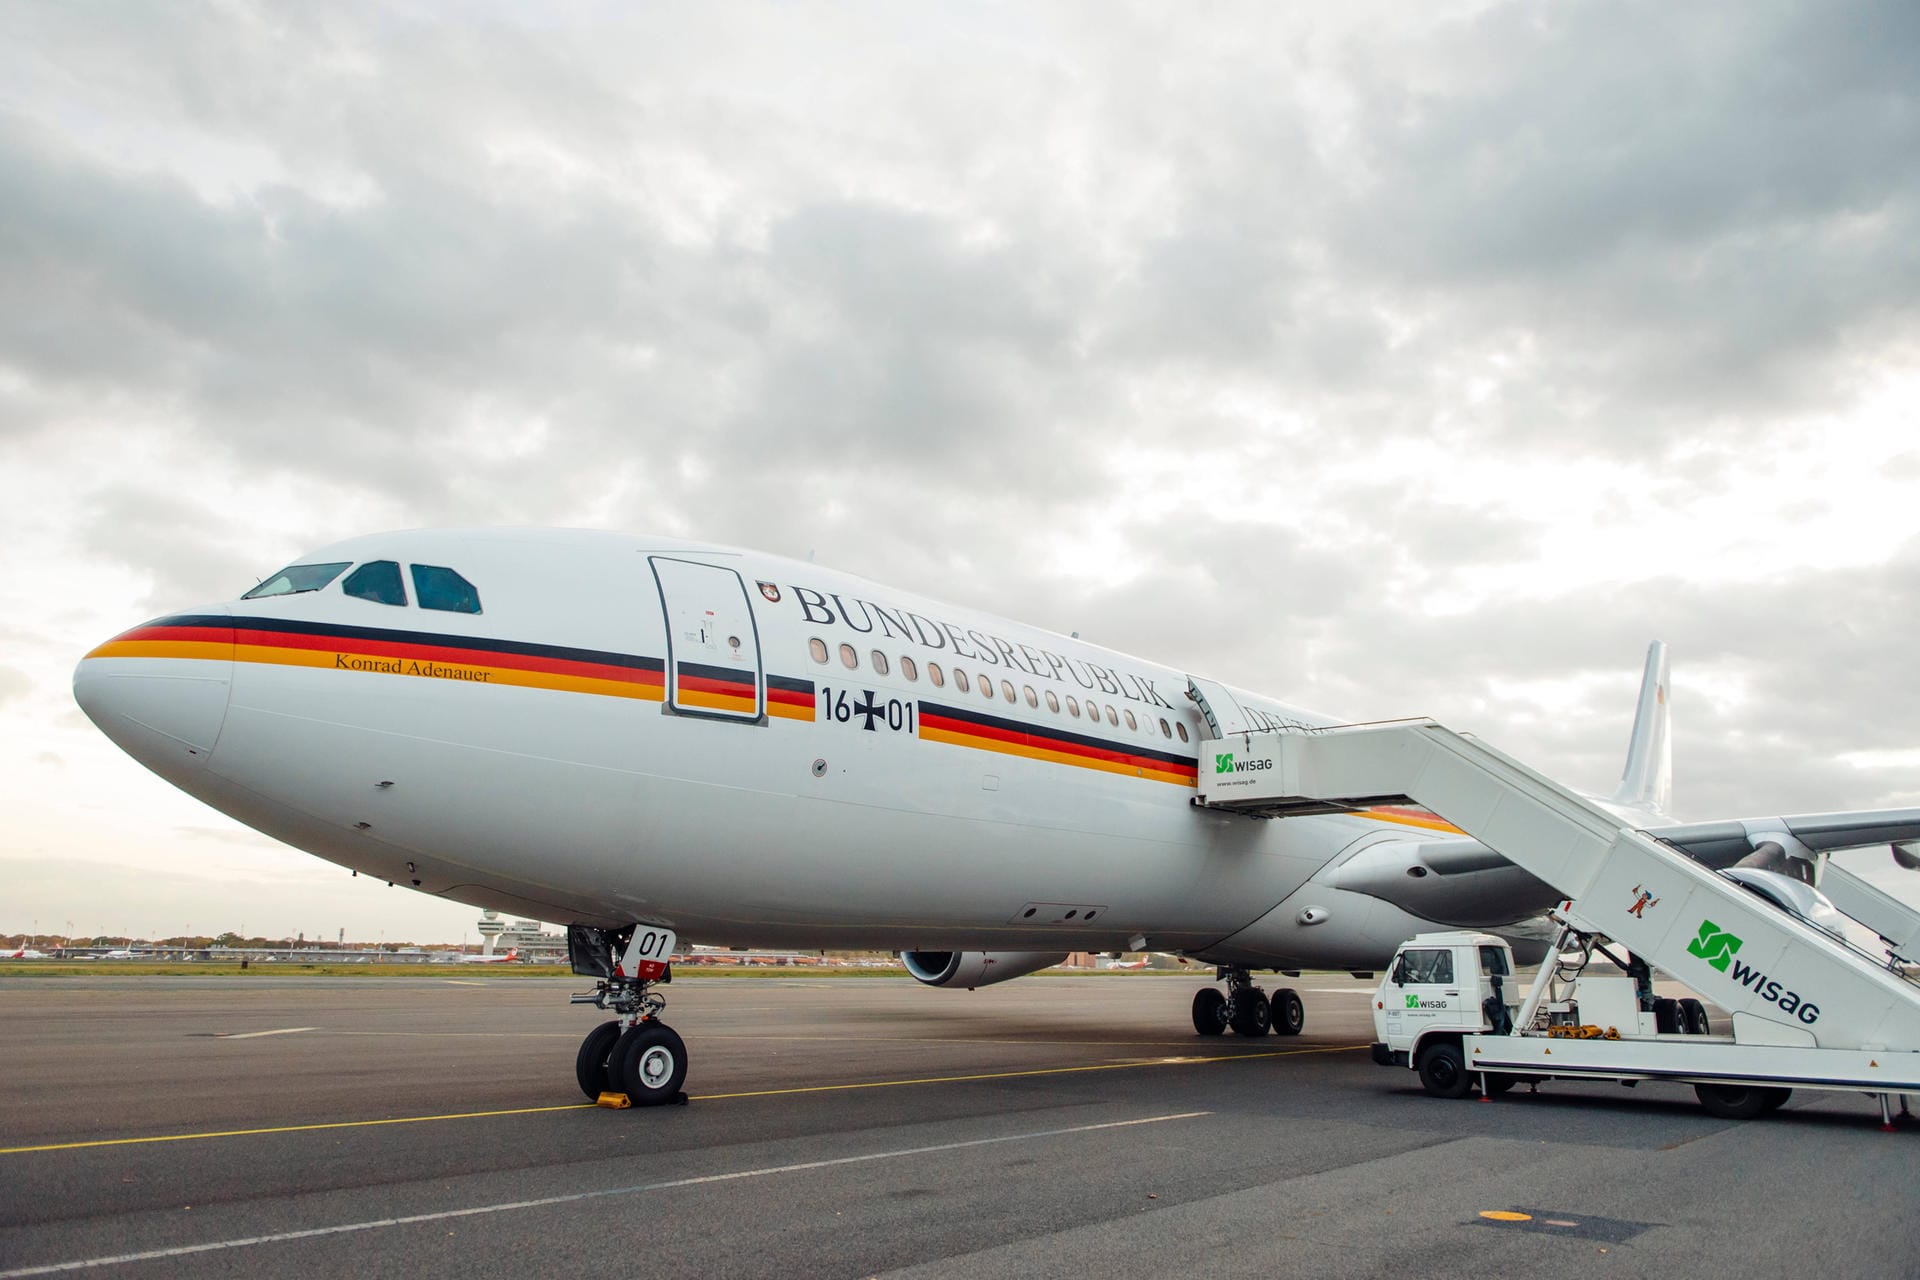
x=713 y=646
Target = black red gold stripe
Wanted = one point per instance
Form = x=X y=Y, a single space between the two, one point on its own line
x=479 y=660
x=966 y=728
x=181 y=637
x=1408 y=816
x=790 y=698
x=714 y=688
x=382 y=651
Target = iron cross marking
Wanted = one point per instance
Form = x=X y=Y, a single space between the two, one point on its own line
x=866 y=709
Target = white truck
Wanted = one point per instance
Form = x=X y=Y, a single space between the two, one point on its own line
x=1448 y=1008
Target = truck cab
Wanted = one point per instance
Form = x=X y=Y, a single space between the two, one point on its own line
x=1440 y=987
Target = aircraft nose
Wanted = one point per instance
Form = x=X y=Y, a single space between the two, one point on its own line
x=160 y=690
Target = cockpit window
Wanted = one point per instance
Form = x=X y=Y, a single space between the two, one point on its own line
x=437 y=587
x=296 y=578
x=376 y=580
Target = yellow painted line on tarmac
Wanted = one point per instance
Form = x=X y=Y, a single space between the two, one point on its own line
x=287 y=1128
x=1134 y=1065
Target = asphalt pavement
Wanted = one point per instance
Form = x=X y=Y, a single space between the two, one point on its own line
x=289 y=1126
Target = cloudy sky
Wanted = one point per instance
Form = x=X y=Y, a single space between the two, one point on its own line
x=1390 y=358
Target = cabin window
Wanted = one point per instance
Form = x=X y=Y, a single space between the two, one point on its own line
x=907 y=668
x=848 y=658
x=817 y=649
x=296 y=578
x=1181 y=728
x=1006 y=691
x=1113 y=717
x=1093 y=711
x=1073 y=706
x=935 y=674
x=378 y=581
x=986 y=687
x=959 y=679
x=1053 y=701
x=438 y=587
x=1131 y=722
x=1166 y=730
x=879 y=663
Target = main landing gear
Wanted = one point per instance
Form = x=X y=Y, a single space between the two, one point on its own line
x=1246 y=1008
x=636 y=1053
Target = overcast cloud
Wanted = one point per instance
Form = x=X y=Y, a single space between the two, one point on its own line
x=1399 y=359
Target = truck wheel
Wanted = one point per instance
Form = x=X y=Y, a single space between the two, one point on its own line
x=1209 y=1011
x=1732 y=1101
x=1693 y=1017
x=1443 y=1071
x=1777 y=1098
x=1498 y=1084
x=1666 y=1017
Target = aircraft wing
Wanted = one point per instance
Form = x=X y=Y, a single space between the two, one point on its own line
x=1721 y=844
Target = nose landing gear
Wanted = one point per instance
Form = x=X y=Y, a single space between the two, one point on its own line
x=635 y=1054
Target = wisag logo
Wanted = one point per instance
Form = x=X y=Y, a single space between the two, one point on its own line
x=1224 y=762
x=1714 y=945
x=1717 y=947
x=1415 y=1002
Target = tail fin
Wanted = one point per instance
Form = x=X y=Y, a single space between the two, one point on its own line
x=1648 y=781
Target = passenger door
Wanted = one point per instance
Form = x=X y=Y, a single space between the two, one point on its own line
x=713 y=646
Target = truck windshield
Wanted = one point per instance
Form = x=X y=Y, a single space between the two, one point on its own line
x=1494 y=960
x=1423 y=965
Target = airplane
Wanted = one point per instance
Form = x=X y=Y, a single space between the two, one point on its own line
x=23 y=953
x=124 y=953
x=507 y=958
x=656 y=738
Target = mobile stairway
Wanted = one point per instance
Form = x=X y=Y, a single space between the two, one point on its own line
x=1807 y=1010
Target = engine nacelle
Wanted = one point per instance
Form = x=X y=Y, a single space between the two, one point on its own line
x=972 y=969
x=1791 y=896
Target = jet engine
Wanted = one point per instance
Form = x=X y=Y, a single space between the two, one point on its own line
x=1792 y=896
x=972 y=969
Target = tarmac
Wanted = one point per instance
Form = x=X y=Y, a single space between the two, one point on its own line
x=288 y=1126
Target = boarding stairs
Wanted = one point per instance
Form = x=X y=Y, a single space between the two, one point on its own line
x=1897 y=924
x=1785 y=982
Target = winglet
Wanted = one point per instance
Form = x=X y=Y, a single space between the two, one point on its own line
x=1647 y=783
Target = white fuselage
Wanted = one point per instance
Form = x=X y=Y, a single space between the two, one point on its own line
x=643 y=730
